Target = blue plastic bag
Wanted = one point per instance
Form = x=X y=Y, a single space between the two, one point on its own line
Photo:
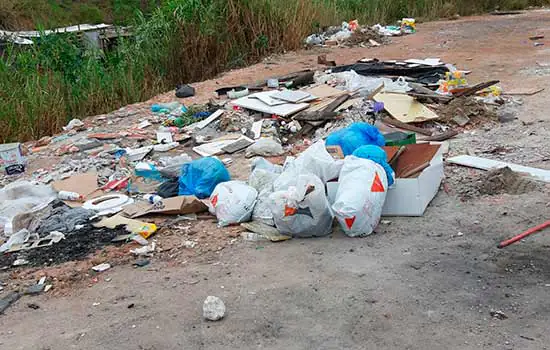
x=377 y=155
x=354 y=136
x=201 y=176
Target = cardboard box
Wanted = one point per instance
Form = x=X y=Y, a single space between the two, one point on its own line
x=11 y=158
x=410 y=196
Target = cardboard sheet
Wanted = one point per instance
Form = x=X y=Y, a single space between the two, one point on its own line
x=84 y=184
x=405 y=108
x=168 y=206
x=322 y=91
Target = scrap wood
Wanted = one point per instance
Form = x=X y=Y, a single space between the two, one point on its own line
x=323 y=91
x=405 y=108
x=414 y=171
x=441 y=136
x=393 y=161
x=472 y=90
x=434 y=96
x=326 y=113
x=524 y=92
x=322 y=59
x=406 y=126
x=522 y=235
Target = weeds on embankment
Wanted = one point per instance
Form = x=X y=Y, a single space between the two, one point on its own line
x=45 y=85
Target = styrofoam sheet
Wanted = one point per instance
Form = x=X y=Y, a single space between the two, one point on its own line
x=487 y=164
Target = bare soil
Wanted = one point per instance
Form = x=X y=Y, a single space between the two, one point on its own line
x=430 y=282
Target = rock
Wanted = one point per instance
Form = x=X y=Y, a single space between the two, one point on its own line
x=183 y=91
x=213 y=308
x=498 y=314
x=461 y=120
x=506 y=115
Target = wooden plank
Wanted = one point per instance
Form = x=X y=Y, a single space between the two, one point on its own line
x=406 y=126
x=324 y=90
x=487 y=164
x=472 y=90
x=523 y=92
x=405 y=108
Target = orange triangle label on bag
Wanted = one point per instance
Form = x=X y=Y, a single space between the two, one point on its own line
x=377 y=185
x=214 y=200
x=349 y=222
x=289 y=211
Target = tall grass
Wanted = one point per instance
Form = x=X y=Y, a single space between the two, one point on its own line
x=44 y=86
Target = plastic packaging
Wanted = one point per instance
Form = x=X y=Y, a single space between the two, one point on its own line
x=356 y=135
x=262 y=163
x=302 y=210
x=232 y=202
x=408 y=25
x=262 y=178
x=22 y=197
x=165 y=147
x=148 y=171
x=265 y=147
x=360 y=197
x=201 y=176
x=73 y=124
x=70 y=196
x=152 y=198
x=165 y=107
x=172 y=165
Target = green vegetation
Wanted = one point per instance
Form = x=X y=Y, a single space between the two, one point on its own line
x=44 y=86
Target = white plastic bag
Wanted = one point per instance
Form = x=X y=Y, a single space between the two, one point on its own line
x=288 y=177
x=360 y=197
x=22 y=197
x=317 y=161
x=232 y=202
x=265 y=147
x=262 y=178
x=262 y=209
x=302 y=210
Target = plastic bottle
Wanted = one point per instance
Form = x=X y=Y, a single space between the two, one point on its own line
x=70 y=196
x=152 y=198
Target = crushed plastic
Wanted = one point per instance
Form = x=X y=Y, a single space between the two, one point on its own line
x=356 y=135
x=201 y=176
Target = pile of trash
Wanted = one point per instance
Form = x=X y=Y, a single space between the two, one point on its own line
x=351 y=34
x=318 y=147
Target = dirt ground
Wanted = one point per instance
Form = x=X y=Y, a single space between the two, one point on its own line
x=419 y=283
